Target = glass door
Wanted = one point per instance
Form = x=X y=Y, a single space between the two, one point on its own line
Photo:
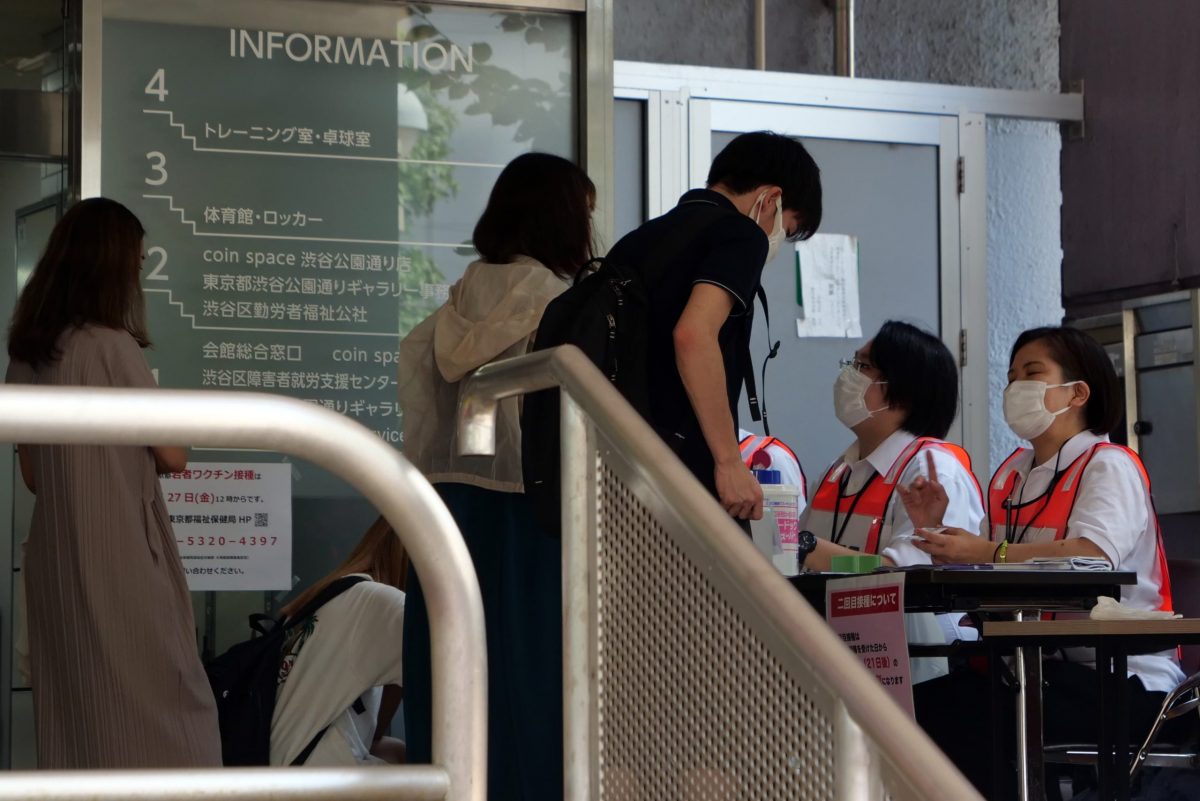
x=890 y=181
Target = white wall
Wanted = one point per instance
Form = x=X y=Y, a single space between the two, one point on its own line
x=1024 y=249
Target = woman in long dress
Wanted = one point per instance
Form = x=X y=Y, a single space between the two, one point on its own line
x=117 y=681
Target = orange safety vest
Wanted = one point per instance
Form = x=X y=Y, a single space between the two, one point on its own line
x=1049 y=514
x=859 y=517
x=753 y=444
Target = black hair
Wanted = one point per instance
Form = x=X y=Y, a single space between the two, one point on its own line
x=540 y=207
x=921 y=377
x=1081 y=358
x=764 y=158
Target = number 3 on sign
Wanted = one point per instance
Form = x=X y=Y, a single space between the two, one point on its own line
x=158 y=163
x=158 y=85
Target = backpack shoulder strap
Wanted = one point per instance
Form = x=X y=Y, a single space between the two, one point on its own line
x=758 y=407
x=333 y=590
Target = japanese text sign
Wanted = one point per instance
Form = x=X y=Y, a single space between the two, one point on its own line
x=233 y=524
x=867 y=612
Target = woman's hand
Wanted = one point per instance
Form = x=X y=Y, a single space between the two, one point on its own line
x=925 y=499
x=169 y=459
x=954 y=546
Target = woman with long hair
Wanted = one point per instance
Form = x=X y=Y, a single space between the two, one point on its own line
x=339 y=684
x=534 y=236
x=117 y=681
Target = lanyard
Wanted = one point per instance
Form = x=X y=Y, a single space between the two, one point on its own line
x=836 y=534
x=1009 y=506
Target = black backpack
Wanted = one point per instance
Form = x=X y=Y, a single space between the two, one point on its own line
x=606 y=315
x=245 y=680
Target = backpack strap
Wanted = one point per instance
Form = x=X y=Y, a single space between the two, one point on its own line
x=333 y=590
x=303 y=756
x=359 y=708
x=758 y=407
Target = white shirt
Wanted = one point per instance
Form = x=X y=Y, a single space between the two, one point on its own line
x=965 y=510
x=354 y=649
x=1114 y=511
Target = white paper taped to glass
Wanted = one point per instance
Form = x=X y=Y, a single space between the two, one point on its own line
x=827 y=287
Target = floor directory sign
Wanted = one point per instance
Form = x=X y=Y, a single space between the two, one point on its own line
x=309 y=175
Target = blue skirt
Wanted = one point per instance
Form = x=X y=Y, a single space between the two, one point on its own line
x=520 y=578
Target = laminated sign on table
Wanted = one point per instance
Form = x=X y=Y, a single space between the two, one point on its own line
x=867 y=613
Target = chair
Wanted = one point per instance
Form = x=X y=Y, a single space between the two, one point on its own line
x=1185 y=585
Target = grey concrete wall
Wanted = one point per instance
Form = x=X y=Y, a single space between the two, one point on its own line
x=720 y=33
x=1010 y=44
x=1006 y=44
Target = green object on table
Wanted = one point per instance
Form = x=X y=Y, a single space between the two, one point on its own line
x=858 y=563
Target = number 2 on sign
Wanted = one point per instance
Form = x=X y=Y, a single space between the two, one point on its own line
x=157 y=273
x=158 y=85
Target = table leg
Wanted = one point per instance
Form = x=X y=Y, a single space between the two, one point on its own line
x=1030 y=754
x=1104 y=740
x=1000 y=774
x=1121 y=727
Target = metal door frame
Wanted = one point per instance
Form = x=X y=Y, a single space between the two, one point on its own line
x=858 y=126
x=681 y=102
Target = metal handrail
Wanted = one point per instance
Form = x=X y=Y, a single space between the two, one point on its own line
x=104 y=416
x=863 y=702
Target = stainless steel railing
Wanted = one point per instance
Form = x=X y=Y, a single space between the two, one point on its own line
x=59 y=415
x=692 y=669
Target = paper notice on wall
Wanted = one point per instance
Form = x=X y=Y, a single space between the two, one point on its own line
x=867 y=612
x=827 y=287
x=233 y=524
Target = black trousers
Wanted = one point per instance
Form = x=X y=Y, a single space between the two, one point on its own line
x=520 y=578
x=955 y=711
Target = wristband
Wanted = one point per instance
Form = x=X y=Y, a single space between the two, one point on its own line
x=1002 y=551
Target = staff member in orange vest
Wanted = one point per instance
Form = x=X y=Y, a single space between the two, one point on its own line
x=899 y=395
x=772 y=453
x=1074 y=493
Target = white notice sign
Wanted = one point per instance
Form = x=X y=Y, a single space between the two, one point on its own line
x=827 y=287
x=867 y=612
x=233 y=523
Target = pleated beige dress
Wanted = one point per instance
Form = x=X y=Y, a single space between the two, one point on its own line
x=117 y=681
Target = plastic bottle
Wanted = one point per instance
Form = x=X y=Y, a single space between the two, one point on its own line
x=783 y=502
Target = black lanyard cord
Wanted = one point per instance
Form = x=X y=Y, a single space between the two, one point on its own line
x=836 y=534
x=1045 y=497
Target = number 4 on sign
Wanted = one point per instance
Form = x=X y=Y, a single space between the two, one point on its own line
x=158 y=85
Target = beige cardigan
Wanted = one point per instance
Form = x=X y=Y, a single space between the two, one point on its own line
x=493 y=313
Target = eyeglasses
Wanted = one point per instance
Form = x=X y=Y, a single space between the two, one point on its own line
x=856 y=364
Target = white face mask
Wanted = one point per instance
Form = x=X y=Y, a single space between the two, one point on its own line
x=777 y=235
x=1025 y=407
x=850 y=397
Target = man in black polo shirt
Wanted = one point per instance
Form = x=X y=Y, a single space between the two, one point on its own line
x=702 y=301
